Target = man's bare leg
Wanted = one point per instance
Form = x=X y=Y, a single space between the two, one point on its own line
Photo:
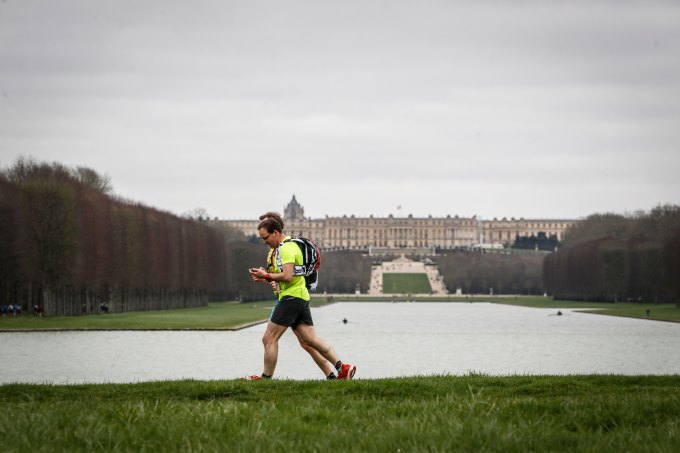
x=308 y=334
x=270 y=339
x=320 y=361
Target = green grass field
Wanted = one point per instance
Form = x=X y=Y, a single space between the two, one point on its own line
x=214 y=316
x=659 y=312
x=468 y=413
x=396 y=283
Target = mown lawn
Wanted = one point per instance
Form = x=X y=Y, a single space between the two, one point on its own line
x=398 y=283
x=435 y=413
x=220 y=315
x=659 y=312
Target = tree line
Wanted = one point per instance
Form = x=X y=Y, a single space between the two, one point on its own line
x=480 y=273
x=540 y=241
x=340 y=271
x=67 y=244
x=612 y=257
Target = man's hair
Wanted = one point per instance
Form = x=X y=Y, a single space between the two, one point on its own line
x=271 y=221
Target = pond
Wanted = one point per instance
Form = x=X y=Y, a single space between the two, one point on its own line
x=382 y=339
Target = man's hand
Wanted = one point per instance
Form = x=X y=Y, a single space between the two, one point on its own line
x=258 y=274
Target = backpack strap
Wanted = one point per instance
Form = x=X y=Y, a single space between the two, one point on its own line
x=299 y=269
x=310 y=261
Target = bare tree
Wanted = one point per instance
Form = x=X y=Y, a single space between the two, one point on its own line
x=198 y=214
x=89 y=177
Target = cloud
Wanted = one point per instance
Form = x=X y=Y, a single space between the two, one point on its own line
x=524 y=108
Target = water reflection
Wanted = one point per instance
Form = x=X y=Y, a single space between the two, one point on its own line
x=383 y=339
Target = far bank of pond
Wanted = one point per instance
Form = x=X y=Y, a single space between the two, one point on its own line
x=235 y=316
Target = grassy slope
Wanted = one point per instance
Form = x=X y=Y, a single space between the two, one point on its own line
x=659 y=312
x=398 y=283
x=214 y=316
x=469 y=413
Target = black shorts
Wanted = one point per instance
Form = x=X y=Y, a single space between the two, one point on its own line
x=290 y=311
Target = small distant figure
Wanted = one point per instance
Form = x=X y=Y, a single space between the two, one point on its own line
x=4 y=309
x=648 y=312
x=103 y=308
x=38 y=310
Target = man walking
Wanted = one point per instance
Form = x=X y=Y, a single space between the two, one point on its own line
x=292 y=307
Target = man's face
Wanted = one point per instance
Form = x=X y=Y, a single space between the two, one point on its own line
x=271 y=239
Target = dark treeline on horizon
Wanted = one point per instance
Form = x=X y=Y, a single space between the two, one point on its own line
x=68 y=245
x=340 y=272
x=604 y=257
x=611 y=257
x=541 y=241
x=475 y=272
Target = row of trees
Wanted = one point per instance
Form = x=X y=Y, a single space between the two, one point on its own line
x=343 y=270
x=340 y=272
x=541 y=241
x=614 y=258
x=67 y=244
x=477 y=273
x=241 y=256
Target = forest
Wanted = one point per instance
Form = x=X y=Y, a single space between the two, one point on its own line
x=605 y=257
x=340 y=271
x=68 y=246
x=475 y=272
x=612 y=257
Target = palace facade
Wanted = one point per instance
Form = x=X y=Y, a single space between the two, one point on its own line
x=416 y=234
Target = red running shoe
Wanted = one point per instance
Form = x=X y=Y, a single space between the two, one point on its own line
x=254 y=377
x=347 y=371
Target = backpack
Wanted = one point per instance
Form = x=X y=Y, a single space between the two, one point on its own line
x=311 y=260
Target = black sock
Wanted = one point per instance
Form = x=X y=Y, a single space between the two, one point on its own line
x=338 y=365
x=331 y=376
x=266 y=376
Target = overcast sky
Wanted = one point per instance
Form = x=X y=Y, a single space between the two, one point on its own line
x=530 y=109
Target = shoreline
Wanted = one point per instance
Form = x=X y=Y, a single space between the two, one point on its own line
x=170 y=329
x=216 y=316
